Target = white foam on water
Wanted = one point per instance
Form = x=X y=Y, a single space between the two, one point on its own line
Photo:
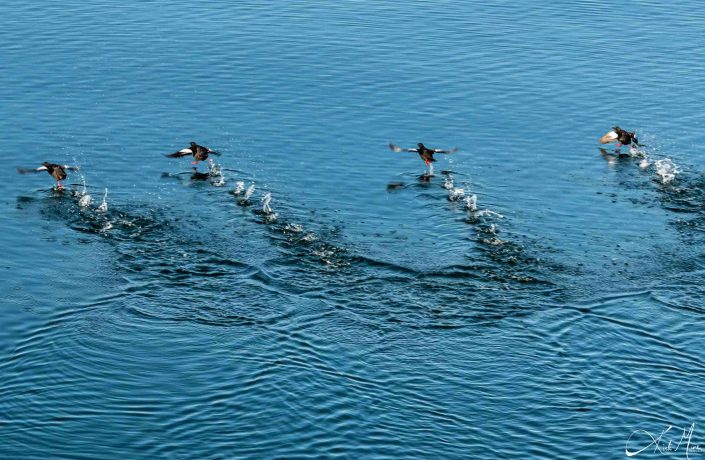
x=666 y=170
x=488 y=213
x=644 y=163
x=635 y=152
x=448 y=182
x=493 y=230
x=456 y=194
x=294 y=228
x=85 y=201
x=104 y=205
x=309 y=237
x=239 y=187
x=471 y=203
x=494 y=241
x=430 y=169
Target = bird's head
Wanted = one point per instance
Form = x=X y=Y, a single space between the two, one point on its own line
x=420 y=145
x=193 y=144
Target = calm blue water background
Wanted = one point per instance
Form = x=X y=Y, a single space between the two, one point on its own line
x=365 y=321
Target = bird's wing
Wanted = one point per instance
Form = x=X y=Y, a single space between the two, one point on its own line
x=634 y=139
x=398 y=149
x=31 y=170
x=453 y=150
x=609 y=137
x=214 y=152
x=180 y=153
x=71 y=168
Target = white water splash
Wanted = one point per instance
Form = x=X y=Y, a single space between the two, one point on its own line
x=85 y=201
x=309 y=237
x=248 y=193
x=239 y=187
x=294 y=228
x=430 y=169
x=493 y=230
x=644 y=163
x=456 y=194
x=488 y=213
x=494 y=241
x=269 y=215
x=213 y=168
x=266 y=199
x=635 y=152
x=104 y=205
x=471 y=203
x=666 y=170
x=448 y=182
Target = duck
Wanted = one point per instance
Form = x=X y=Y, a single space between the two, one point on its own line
x=57 y=171
x=199 y=152
x=620 y=136
x=424 y=152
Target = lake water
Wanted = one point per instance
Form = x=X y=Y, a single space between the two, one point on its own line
x=367 y=315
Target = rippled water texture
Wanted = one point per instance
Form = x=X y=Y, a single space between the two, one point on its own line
x=315 y=295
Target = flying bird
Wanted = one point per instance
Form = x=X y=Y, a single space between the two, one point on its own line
x=58 y=172
x=424 y=152
x=620 y=136
x=199 y=152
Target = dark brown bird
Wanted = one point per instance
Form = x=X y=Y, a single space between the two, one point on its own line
x=424 y=152
x=56 y=171
x=199 y=152
x=620 y=136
